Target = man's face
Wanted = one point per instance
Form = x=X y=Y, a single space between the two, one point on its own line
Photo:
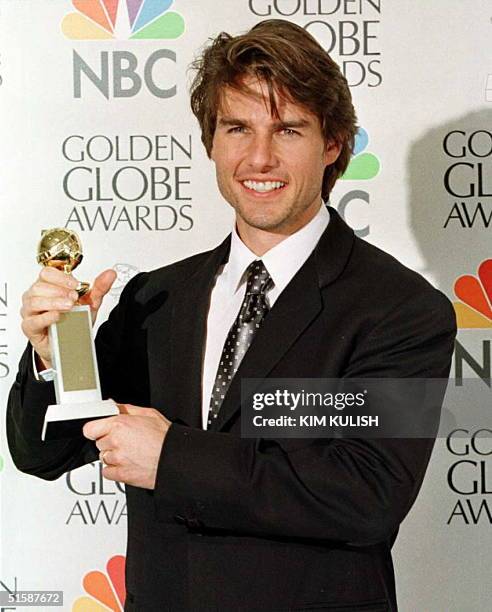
x=269 y=170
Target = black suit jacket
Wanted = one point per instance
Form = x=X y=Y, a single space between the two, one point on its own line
x=252 y=524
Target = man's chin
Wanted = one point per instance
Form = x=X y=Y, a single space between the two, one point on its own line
x=262 y=216
x=266 y=224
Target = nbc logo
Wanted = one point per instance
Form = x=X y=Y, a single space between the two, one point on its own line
x=106 y=591
x=123 y=73
x=135 y=19
x=474 y=310
x=363 y=165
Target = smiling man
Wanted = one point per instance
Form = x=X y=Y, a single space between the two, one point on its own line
x=269 y=168
x=217 y=521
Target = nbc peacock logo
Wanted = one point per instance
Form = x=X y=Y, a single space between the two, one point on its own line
x=363 y=165
x=474 y=310
x=105 y=591
x=122 y=19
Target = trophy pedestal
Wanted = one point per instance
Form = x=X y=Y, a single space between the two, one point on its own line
x=77 y=387
x=67 y=420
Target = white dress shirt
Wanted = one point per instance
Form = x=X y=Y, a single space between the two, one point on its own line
x=282 y=263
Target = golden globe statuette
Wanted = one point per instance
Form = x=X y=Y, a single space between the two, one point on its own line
x=76 y=378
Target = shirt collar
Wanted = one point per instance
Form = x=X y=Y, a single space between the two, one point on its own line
x=283 y=260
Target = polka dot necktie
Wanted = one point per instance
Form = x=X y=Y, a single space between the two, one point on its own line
x=251 y=314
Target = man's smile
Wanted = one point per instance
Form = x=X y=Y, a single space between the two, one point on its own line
x=263 y=188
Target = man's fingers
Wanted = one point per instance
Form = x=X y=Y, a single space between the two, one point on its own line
x=57 y=277
x=125 y=408
x=100 y=427
x=112 y=473
x=103 y=443
x=36 y=305
x=42 y=289
x=102 y=284
x=130 y=409
x=111 y=456
x=104 y=281
x=35 y=327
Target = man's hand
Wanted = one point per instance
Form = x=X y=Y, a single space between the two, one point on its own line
x=50 y=295
x=130 y=444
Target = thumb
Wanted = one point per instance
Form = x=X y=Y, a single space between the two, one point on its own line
x=101 y=286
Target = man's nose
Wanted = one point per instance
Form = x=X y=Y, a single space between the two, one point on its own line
x=261 y=155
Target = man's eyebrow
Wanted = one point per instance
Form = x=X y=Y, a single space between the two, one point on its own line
x=231 y=121
x=294 y=123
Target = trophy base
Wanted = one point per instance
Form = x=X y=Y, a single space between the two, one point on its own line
x=67 y=420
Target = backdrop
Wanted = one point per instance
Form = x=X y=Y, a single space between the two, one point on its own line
x=97 y=136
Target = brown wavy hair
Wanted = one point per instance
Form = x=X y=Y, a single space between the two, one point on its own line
x=292 y=65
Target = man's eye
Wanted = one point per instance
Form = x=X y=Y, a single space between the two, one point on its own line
x=238 y=129
x=289 y=132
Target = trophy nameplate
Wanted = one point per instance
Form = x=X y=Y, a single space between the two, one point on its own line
x=76 y=377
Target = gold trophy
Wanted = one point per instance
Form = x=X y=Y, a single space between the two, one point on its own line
x=76 y=378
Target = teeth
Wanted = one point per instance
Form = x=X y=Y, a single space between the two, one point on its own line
x=263 y=186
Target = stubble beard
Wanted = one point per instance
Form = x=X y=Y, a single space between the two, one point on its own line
x=275 y=221
x=272 y=222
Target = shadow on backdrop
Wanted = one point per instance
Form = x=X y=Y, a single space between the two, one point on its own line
x=450 y=207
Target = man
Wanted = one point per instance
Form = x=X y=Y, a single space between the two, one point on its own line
x=216 y=521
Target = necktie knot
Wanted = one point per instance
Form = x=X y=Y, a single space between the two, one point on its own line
x=258 y=279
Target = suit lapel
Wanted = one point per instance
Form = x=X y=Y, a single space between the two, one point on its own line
x=297 y=306
x=176 y=378
x=176 y=340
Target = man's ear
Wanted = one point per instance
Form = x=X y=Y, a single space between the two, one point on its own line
x=332 y=151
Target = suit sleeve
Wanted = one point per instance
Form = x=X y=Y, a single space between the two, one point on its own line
x=29 y=399
x=348 y=490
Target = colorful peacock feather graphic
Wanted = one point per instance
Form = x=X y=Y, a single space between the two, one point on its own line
x=105 y=591
x=135 y=19
x=474 y=310
x=363 y=166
